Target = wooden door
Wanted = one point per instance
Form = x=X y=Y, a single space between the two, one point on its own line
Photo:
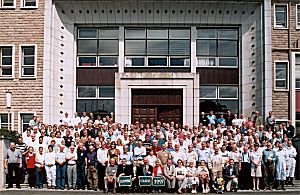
x=144 y=114
x=168 y=114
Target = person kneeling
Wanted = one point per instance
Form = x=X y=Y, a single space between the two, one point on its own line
x=219 y=183
x=231 y=175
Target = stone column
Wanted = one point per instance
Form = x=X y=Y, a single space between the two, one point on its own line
x=3 y=150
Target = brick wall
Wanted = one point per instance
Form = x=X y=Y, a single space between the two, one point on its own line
x=23 y=26
x=281 y=100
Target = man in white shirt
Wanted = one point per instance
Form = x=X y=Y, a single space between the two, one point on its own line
x=177 y=154
x=139 y=150
x=84 y=118
x=50 y=167
x=102 y=157
x=76 y=119
x=67 y=120
x=39 y=165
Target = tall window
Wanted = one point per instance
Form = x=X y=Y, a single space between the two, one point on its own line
x=25 y=119
x=298 y=123
x=157 y=47
x=298 y=16
x=6 y=61
x=219 y=99
x=217 y=47
x=297 y=73
x=8 y=3
x=97 y=99
x=281 y=16
x=4 y=121
x=281 y=75
x=28 y=61
x=97 y=47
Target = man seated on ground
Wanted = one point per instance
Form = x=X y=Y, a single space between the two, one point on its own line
x=111 y=175
x=231 y=177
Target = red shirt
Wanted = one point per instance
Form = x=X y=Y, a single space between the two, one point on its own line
x=30 y=159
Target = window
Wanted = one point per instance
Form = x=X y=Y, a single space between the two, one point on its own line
x=217 y=47
x=6 y=61
x=28 y=61
x=281 y=16
x=8 y=4
x=25 y=119
x=154 y=47
x=298 y=16
x=281 y=75
x=97 y=47
x=219 y=99
x=297 y=73
x=297 y=123
x=29 y=4
x=4 y=121
x=96 y=99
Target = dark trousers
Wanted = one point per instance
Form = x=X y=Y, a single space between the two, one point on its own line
x=101 y=174
x=31 y=177
x=60 y=176
x=39 y=176
x=13 y=167
x=245 y=178
x=23 y=170
x=269 y=174
x=81 y=176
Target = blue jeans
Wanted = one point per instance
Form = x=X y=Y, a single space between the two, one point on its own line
x=60 y=176
x=81 y=175
x=38 y=177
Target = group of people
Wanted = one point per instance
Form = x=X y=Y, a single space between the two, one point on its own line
x=220 y=154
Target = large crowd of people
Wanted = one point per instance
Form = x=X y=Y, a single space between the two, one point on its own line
x=220 y=154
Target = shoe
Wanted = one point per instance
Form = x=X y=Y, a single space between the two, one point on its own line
x=105 y=190
x=18 y=187
x=179 y=192
x=62 y=188
x=8 y=187
x=95 y=189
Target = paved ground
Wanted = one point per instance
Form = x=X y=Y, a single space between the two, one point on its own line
x=25 y=191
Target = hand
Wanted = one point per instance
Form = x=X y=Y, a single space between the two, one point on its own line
x=20 y=166
x=5 y=167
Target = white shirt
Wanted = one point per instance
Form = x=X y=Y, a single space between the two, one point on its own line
x=178 y=155
x=70 y=155
x=50 y=158
x=76 y=120
x=140 y=151
x=84 y=119
x=151 y=160
x=102 y=155
x=67 y=120
x=40 y=158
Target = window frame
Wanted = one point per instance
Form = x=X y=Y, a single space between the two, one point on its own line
x=217 y=56
x=287 y=16
x=23 y=5
x=295 y=64
x=7 y=7
x=147 y=57
x=21 y=76
x=297 y=18
x=287 y=76
x=20 y=123
x=98 y=55
x=13 y=62
x=11 y=119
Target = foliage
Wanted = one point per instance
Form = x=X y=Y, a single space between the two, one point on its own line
x=11 y=135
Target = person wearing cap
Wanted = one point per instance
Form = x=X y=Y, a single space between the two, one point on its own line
x=60 y=168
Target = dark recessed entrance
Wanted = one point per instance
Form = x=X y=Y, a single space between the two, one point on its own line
x=152 y=105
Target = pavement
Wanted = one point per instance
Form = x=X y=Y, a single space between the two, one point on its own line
x=25 y=191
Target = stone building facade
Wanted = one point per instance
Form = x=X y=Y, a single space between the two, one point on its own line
x=150 y=61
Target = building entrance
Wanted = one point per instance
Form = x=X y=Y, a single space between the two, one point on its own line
x=152 y=105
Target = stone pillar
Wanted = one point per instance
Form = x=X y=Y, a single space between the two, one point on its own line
x=3 y=150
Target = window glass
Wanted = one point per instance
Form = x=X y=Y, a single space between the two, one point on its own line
x=157 y=33
x=87 y=61
x=157 y=62
x=208 y=92
x=108 y=61
x=25 y=119
x=86 y=105
x=87 y=33
x=208 y=105
x=27 y=71
x=135 y=47
x=179 y=61
x=298 y=16
x=179 y=47
x=228 y=92
x=108 y=47
x=179 y=34
x=157 y=47
x=206 y=47
x=135 y=33
x=8 y=3
x=109 y=33
x=132 y=61
x=227 y=48
x=87 y=47
x=206 y=33
x=228 y=62
x=206 y=62
x=87 y=91
x=228 y=34
x=106 y=106
x=281 y=16
x=227 y=105
x=30 y=3
x=106 y=91
x=297 y=73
